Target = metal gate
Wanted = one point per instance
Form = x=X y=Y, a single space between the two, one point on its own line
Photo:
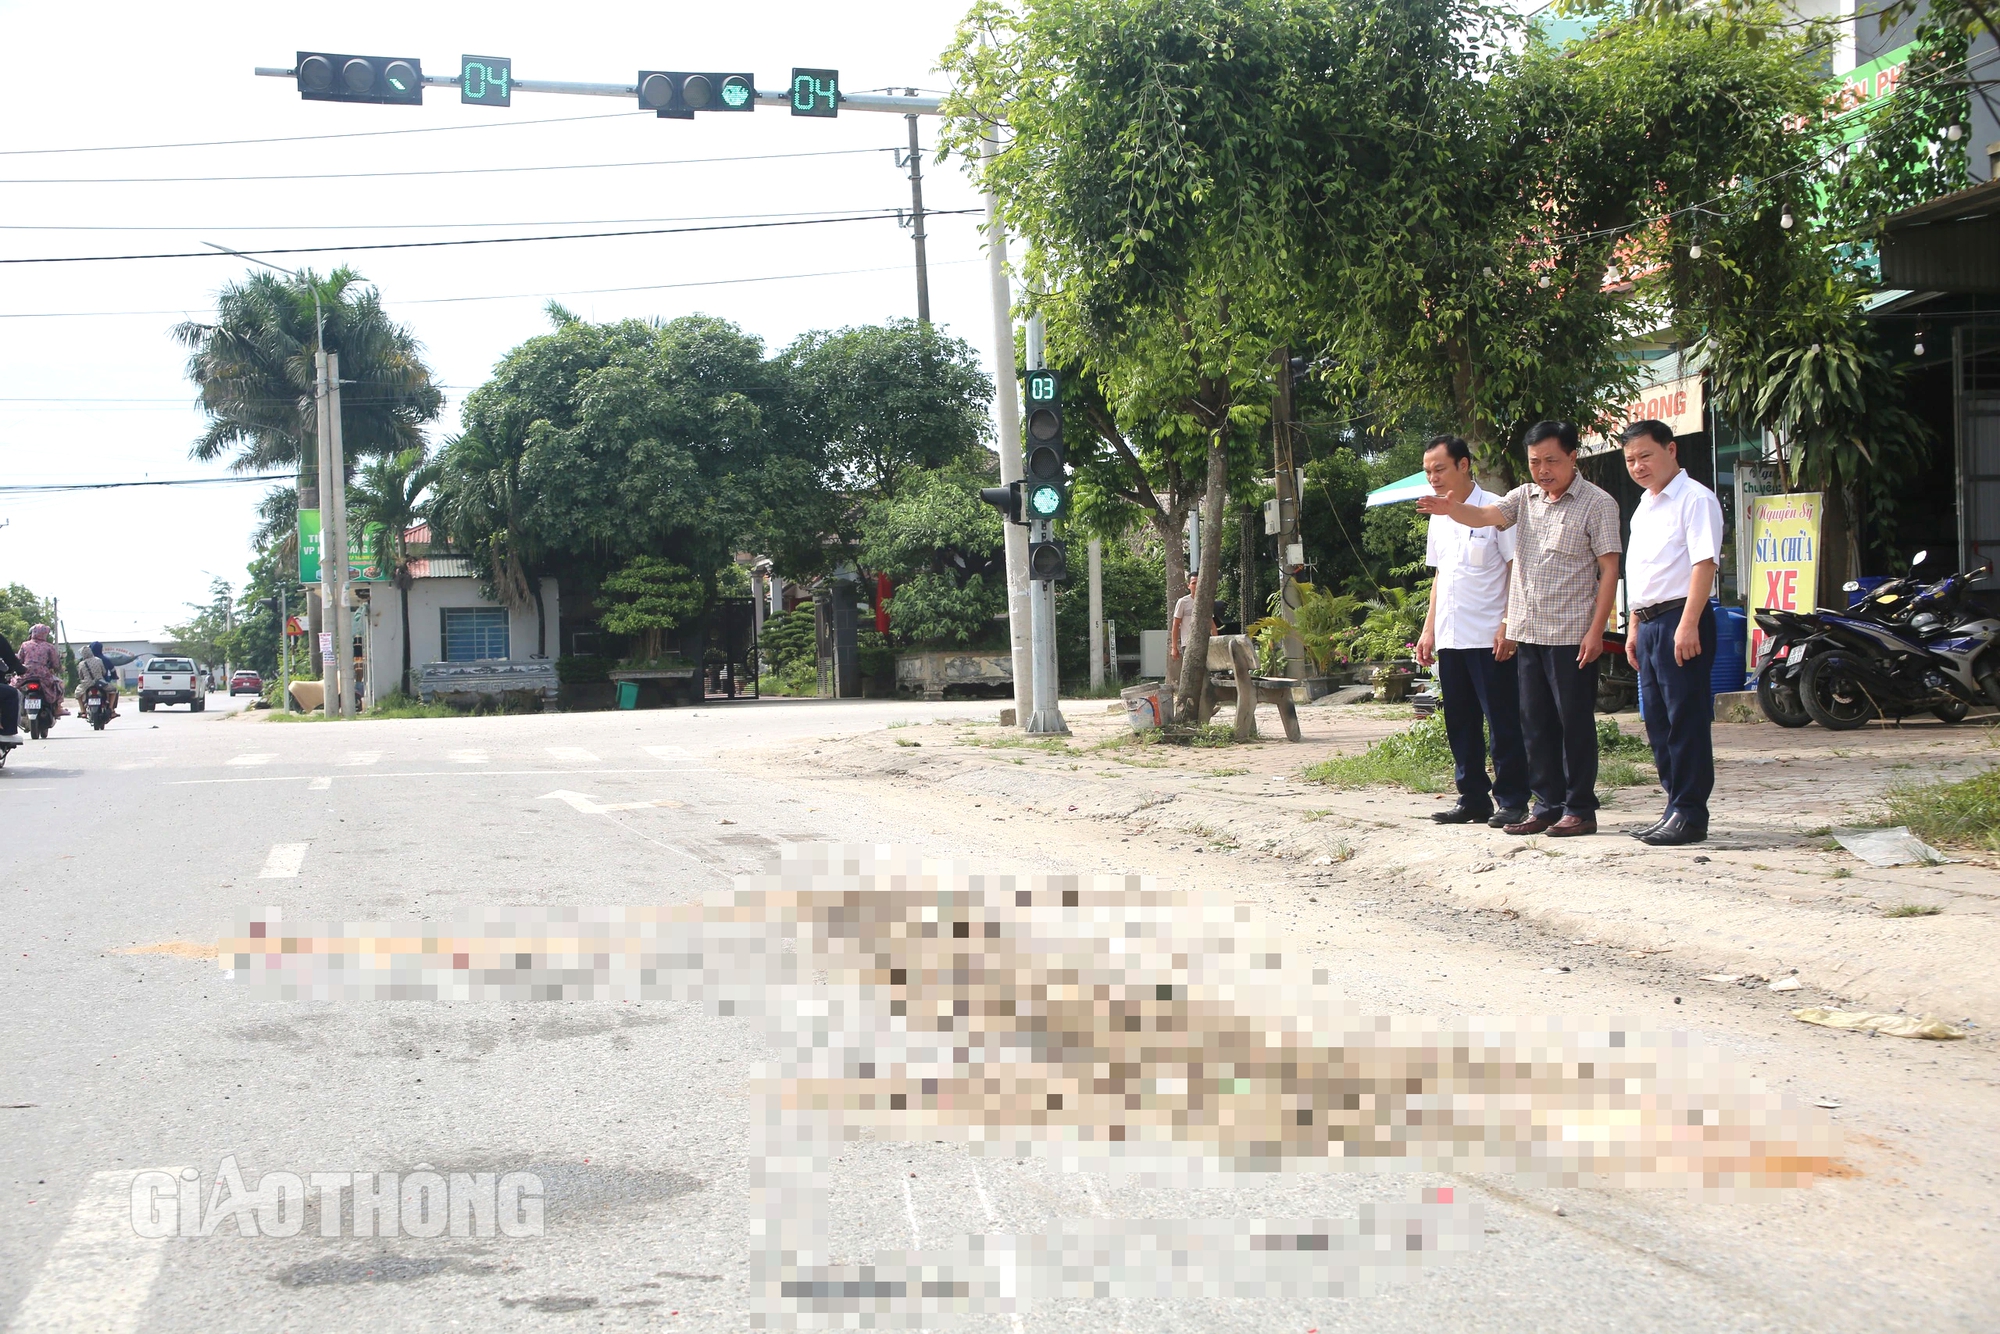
x=1976 y=379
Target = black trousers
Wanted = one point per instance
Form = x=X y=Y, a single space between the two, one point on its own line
x=1479 y=694
x=1559 y=725
x=1680 y=709
x=10 y=708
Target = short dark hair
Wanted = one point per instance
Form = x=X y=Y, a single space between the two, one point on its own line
x=1661 y=433
x=1563 y=433
x=1459 y=451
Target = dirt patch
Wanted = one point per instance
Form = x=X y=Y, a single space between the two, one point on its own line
x=174 y=949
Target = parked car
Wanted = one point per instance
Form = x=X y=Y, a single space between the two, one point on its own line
x=246 y=682
x=172 y=681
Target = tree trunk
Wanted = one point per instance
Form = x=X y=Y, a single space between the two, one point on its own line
x=541 y=621
x=1246 y=560
x=403 y=592
x=1194 y=662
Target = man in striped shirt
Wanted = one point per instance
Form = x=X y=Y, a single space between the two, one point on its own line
x=1564 y=586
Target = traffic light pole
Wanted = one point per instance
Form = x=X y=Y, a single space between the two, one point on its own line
x=917 y=222
x=333 y=496
x=1007 y=410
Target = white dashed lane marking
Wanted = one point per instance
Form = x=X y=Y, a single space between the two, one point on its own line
x=468 y=757
x=98 y=1277
x=355 y=757
x=262 y=758
x=284 y=861
x=571 y=755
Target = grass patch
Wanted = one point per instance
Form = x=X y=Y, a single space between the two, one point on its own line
x=1913 y=910
x=1053 y=745
x=1419 y=760
x=1204 y=736
x=1315 y=816
x=1842 y=873
x=1961 y=814
x=1226 y=773
x=391 y=706
x=901 y=741
x=1618 y=771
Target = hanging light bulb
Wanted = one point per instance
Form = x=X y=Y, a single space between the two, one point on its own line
x=1815 y=349
x=1694 y=251
x=1785 y=219
x=1920 y=342
x=1488 y=270
x=1954 y=132
x=1542 y=281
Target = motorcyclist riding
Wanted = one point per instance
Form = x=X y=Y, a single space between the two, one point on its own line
x=93 y=670
x=43 y=663
x=10 y=698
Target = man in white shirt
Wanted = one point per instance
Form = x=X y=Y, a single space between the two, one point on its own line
x=1465 y=636
x=1670 y=566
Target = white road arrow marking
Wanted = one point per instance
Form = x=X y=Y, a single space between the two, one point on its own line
x=584 y=805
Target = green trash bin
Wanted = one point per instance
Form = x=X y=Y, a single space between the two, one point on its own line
x=628 y=694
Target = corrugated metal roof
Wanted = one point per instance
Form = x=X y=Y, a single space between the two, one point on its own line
x=442 y=567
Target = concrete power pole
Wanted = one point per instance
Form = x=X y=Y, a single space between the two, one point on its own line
x=333 y=496
x=1287 y=478
x=329 y=616
x=917 y=221
x=1007 y=409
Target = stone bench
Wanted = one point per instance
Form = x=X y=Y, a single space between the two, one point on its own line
x=1237 y=655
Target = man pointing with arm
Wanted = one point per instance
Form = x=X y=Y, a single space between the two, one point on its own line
x=1560 y=598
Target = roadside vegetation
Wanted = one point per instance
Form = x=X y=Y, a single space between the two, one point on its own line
x=1418 y=759
x=396 y=706
x=1963 y=814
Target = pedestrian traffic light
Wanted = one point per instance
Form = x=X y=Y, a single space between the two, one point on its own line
x=394 y=80
x=815 y=92
x=1006 y=499
x=678 y=94
x=1048 y=476
x=1048 y=560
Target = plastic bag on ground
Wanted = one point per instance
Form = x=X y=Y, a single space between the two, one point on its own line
x=1894 y=1025
x=1888 y=847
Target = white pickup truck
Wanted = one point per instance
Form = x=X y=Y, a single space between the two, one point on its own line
x=172 y=681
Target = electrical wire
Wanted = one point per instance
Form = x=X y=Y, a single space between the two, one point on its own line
x=310 y=138
x=439 y=171
x=408 y=226
x=49 y=487
x=484 y=240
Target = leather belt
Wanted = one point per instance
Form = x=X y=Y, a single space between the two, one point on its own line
x=1645 y=615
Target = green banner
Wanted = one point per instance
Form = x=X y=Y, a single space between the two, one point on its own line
x=361 y=566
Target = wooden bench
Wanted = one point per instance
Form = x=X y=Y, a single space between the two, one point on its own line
x=1237 y=655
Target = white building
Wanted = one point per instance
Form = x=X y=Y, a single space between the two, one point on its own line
x=450 y=621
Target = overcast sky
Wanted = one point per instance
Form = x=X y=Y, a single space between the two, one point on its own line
x=97 y=396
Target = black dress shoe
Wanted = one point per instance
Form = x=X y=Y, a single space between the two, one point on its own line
x=1459 y=814
x=1651 y=828
x=1675 y=831
x=1511 y=815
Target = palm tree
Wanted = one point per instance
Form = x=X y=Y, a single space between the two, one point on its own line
x=388 y=495
x=254 y=367
x=478 y=510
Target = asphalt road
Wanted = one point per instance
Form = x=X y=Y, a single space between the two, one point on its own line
x=633 y=1116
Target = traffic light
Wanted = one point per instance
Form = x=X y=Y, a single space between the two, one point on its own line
x=815 y=92
x=1006 y=499
x=392 y=80
x=486 y=81
x=678 y=94
x=1047 y=473
x=1048 y=560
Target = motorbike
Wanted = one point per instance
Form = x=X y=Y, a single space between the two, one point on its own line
x=1791 y=637
x=97 y=707
x=1938 y=657
x=38 y=712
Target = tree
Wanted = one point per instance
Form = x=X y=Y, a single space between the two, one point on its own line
x=879 y=400
x=254 y=367
x=946 y=552
x=20 y=610
x=205 y=636
x=387 y=499
x=649 y=597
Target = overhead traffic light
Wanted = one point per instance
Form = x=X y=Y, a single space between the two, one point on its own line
x=394 y=80
x=1048 y=560
x=678 y=94
x=1045 y=464
x=1006 y=499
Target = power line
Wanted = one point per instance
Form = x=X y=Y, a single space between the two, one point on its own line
x=165 y=481
x=309 y=138
x=485 y=240
x=436 y=171
x=404 y=226
x=525 y=296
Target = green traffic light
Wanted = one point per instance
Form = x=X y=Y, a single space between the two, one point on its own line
x=735 y=93
x=1045 y=501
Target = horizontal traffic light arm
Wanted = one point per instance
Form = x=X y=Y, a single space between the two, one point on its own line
x=899 y=106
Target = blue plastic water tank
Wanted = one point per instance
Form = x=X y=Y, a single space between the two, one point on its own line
x=1732 y=645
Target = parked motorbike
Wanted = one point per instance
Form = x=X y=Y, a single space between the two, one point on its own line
x=1938 y=657
x=1791 y=637
x=97 y=707
x=38 y=712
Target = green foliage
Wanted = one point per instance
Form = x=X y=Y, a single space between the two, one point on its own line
x=648 y=597
x=880 y=400
x=1417 y=759
x=1132 y=582
x=1324 y=621
x=205 y=636
x=946 y=553
x=789 y=638
x=21 y=609
x=1390 y=629
x=255 y=369
x=1612 y=741
x=580 y=669
x=1962 y=814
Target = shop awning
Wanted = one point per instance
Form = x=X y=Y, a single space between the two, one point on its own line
x=1416 y=484
x=1951 y=244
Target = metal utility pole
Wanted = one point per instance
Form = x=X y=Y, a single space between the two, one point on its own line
x=333 y=494
x=1007 y=408
x=917 y=220
x=1287 y=526
x=329 y=607
x=1047 y=719
x=284 y=649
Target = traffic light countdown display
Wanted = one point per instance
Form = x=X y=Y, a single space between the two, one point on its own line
x=486 y=81
x=392 y=80
x=815 y=92
x=1045 y=490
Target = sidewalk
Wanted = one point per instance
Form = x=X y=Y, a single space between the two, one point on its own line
x=1769 y=896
